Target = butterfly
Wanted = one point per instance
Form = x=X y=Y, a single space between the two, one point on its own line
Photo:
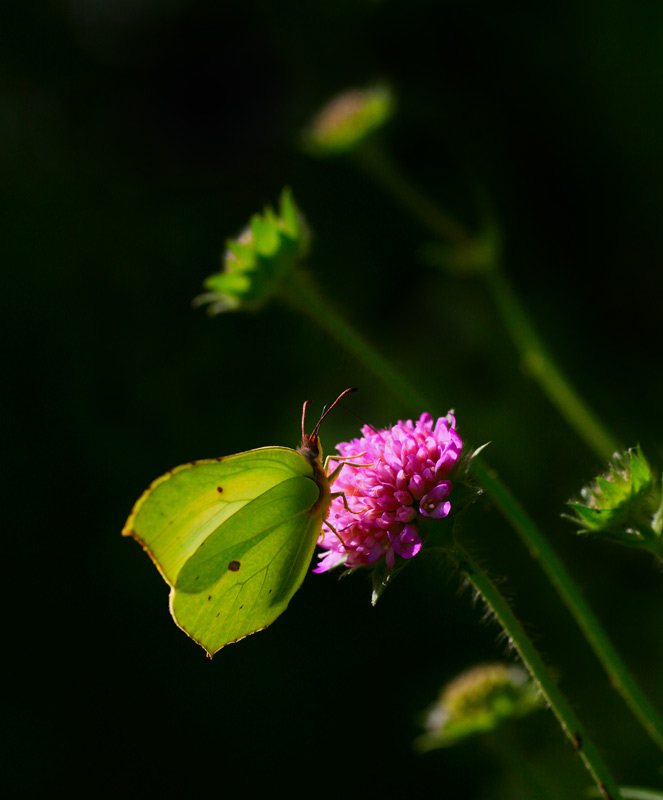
x=233 y=536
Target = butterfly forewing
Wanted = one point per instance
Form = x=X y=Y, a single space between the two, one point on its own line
x=184 y=506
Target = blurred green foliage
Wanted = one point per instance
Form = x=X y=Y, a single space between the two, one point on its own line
x=135 y=138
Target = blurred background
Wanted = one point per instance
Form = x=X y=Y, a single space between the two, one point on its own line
x=135 y=137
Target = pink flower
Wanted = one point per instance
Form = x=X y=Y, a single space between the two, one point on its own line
x=394 y=476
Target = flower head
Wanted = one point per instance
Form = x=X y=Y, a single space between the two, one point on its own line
x=259 y=260
x=391 y=479
x=347 y=120
x=625 y=504
x=477 y=701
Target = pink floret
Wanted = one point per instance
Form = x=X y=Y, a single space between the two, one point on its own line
x=395 y=475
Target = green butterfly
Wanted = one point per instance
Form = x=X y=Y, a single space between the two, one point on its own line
x=234 y=536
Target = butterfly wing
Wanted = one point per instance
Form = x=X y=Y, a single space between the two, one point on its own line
x=232 y=537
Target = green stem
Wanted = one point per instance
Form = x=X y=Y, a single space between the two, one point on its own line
x=305 y=297
x=541 y=366
x=508 y=752
x=540 y=549
x=566 y=717
x=408 y=196
x=536 y=359
x=301 y=293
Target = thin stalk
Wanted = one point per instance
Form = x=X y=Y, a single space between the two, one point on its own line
x=408 y=196
x=507 y=750
x=539 y=548
x=303 y=295
x=536 y=358
x=570 y=724
x=541 y=366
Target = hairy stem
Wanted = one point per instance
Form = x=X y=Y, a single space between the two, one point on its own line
x=570 y=724
x=540 y=549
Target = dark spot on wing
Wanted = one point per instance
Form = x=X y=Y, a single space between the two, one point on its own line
x=234 y=566
x=219 y=489
x=210 y=597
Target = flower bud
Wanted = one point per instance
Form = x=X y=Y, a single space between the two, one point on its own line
x=478 y=701
x=347 y=120
x=625 y=504
x=258 y=260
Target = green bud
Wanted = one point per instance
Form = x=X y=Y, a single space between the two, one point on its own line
x=625 y=504
x=258 y=260
x=478 y=701
x=347 y=120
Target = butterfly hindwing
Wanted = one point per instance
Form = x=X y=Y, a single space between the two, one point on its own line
x=244 y=575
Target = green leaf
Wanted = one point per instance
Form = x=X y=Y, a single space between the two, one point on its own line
x=233 y=538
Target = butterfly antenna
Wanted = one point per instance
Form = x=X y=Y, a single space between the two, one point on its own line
x=361 y=419
x=328 y=408
x=307 y=403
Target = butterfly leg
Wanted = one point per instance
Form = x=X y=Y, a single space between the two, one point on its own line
x=335 y=532
x=345 y=502
x=331 y=476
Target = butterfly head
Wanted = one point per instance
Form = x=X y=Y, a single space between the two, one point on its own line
x=310 y=447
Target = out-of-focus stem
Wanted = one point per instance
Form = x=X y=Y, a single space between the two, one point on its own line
x=301 y=293
x=536 y=358
x=566 y=717
x=403 y=191
x=540 y=365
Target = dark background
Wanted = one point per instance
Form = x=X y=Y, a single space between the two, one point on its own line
x=134 y=138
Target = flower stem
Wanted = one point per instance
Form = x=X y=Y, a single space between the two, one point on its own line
x=376 y=161
x=305 y=297
x=540 y=365
x=540 y=549
x=507 y=750
x=535 y=357
x=566 y=717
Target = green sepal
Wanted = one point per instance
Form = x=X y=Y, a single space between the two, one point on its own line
x=624 y=504
x=435 y=534
x=382 y=576
x=259 y=260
